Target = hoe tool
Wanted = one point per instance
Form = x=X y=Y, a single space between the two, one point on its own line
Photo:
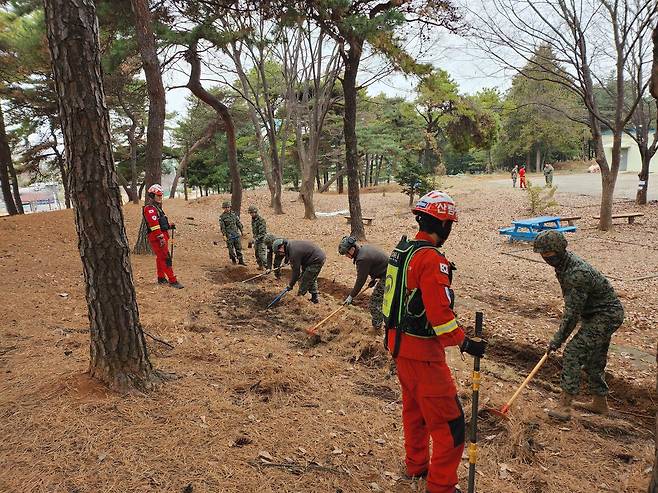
x=256 y=276
x=313 y=331
x=472 y=447
x=504 y=411
x=278 y=298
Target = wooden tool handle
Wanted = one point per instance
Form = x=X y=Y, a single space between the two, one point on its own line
x=528 y=378
x=313 y=329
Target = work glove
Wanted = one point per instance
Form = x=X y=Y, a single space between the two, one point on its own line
x=172 y=226
x=161 y=240
x=289 y=287
x=348 y=300
x=474 y=347
x=553 y=346
x=372 y=283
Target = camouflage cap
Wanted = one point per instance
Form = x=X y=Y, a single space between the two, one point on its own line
x=345 y=244
x=277 y=244
x=226 y=204
x=269 y=239
x=550 y=241
x=252 y=208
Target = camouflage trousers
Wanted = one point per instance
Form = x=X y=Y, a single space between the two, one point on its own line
x=308 y=282
x=260 y=252
x=234 y=246
x=375 y=305
x=588 y=350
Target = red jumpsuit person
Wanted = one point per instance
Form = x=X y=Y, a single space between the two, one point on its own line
x=420 y=323
x=158 y=236
x=522 y=183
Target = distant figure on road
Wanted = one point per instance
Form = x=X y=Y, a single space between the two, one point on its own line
x=548 y=174
x=515 y=174
x=522 y=183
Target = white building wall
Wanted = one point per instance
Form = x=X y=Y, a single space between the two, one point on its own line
x=630 y=149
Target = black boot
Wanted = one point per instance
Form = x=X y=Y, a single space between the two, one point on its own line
x=314 y=298
x=176 y=285
x=162 y=280
x=234 y=261
x=241 y=262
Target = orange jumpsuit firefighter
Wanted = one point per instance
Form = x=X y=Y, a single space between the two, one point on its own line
x=158 y=236
x=420 y=325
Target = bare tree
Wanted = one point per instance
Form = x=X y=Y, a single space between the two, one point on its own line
x=255 y=51
x=653 y=487
x=118 y=350
x=590 y=38
x=310 y=73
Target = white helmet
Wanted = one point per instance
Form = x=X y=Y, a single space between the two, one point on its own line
x=156 y=189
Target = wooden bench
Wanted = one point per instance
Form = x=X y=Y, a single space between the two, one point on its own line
x=570 y=219
x=630 y=216
x=367 y=220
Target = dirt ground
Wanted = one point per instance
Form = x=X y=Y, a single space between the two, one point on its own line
x=259 y=406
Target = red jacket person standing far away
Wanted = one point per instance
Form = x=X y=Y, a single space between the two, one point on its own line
x=420 y=322
x=522 y=182
x=158 y=236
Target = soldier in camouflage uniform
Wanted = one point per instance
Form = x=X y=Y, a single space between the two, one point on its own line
x=306 y=260
x=259 y=230
x=369 y=261
x=590 y=298
x=231 y=228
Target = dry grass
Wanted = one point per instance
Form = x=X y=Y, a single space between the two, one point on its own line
x=260 y=406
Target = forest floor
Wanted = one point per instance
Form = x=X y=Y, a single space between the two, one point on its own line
x=259 y=406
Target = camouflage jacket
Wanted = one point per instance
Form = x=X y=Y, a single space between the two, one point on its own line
x=258 y=228
x=587 y=293
x=230 y=225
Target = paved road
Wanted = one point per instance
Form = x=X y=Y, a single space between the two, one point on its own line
x=590 y=184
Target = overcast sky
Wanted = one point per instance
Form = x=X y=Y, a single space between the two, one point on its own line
x=457 y=55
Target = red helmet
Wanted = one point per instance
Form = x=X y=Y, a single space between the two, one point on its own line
x=156 y=189
x=437 y=204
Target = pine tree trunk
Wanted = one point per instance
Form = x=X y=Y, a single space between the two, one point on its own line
x=351 y=148
x=142 y=245
x=538 y=159
x=16 y=189
x=5 y=159
x=194 y=85
x=156 y=92
x=379 y=169
x=65 y=180
x=331 y=181
x=118 y=350
x=341 y=184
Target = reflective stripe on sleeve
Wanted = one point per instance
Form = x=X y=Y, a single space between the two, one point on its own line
x=446 y=327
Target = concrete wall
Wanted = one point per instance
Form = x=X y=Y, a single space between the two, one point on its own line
x=630 y=153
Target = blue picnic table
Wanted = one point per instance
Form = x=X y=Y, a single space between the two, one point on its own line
x=528 y=229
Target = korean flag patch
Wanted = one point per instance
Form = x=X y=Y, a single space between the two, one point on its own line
x=445 y=269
